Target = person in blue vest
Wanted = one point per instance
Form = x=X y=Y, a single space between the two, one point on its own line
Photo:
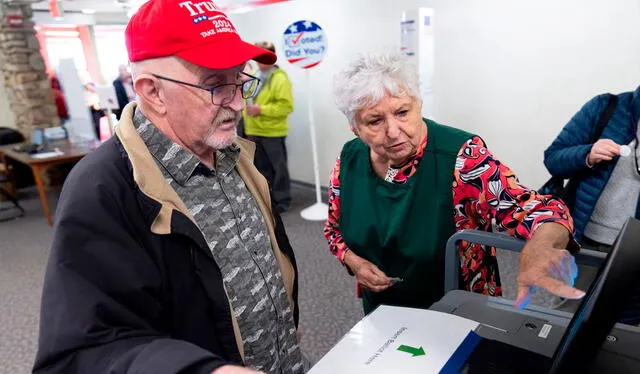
x=406 y=184
x=607 y=172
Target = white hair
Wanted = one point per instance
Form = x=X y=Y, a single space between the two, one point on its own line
x=365 y=81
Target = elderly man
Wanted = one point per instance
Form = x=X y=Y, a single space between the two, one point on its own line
x=166 y=255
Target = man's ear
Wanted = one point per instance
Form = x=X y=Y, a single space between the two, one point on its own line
x=147 y=87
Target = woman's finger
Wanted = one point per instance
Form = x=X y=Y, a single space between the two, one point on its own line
x=373 y=287
x=377 y=272
x=559 y=288
x=564 y=273
x=380 y=288
x=559 y=271
x=564 y=269
x=606 y=152
x=602 y=157
x=608 y=142
x=366 y=284
x=612 y=149
x=371 y=277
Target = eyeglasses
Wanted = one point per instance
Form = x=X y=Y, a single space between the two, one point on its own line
x=224 y=94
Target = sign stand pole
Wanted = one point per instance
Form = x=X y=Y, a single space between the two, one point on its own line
x=305 y=45
x=318 y=211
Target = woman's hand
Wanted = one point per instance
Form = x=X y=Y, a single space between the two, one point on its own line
x=367 y=274
x=544 y=264
x=603 y=150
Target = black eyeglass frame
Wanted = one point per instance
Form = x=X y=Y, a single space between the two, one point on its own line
x=229 y=98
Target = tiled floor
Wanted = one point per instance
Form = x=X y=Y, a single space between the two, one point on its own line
x=24 y=246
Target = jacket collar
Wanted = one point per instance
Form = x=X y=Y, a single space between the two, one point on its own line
x=149 y=178
x=176 y=160
x=147 y=175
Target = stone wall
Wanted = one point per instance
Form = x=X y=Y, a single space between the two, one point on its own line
x=27 y=85
x=7 y=119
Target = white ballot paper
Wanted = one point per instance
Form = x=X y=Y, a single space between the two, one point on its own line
x=397 y=340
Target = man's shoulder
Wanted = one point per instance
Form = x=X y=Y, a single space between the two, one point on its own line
x=279 y=70
x=279 y=73
x=99 y=186
x=597 y=103
x=594 y=108
x=107 y=165
x=247 y=147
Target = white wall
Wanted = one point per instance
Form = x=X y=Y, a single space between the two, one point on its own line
x=513 y=72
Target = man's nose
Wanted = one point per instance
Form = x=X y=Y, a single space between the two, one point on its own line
x=237 y=103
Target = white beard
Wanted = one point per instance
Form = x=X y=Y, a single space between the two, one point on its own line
x=220 y=141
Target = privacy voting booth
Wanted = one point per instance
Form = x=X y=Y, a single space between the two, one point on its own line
x=472 y=333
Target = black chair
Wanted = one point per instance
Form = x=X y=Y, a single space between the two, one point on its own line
x=9 y=136
x=19 y=211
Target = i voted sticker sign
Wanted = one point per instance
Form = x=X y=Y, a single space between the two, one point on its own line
x=305 y=44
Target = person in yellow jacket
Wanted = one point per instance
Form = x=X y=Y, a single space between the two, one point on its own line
x=265 y=123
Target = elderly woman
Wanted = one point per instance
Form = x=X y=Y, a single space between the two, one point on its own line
x=405 y=185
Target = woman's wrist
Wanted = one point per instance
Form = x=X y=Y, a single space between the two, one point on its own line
x=343 y=255
x=351 y=260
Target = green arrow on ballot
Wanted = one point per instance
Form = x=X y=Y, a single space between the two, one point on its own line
x=411 y=350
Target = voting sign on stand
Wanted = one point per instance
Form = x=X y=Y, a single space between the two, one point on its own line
x=305 y=46
x=400 y=340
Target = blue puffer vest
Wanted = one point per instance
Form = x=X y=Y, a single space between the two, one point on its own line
x=566 y=156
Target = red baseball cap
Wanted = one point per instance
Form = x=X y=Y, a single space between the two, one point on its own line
x=196 y=31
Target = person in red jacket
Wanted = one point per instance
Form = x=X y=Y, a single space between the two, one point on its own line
x=61 y=103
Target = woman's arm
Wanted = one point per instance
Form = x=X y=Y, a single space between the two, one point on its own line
x=567 y=155
x=488 y=196
x=487 y=193
x=337 y=246
x=367 y=274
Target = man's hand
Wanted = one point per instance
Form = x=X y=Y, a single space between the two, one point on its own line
x=603 y=150
x=544 y=264
x=232 y=369
x=367 y=274
x=253 y=110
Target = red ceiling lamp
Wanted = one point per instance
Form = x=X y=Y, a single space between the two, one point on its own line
x=55 y=8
